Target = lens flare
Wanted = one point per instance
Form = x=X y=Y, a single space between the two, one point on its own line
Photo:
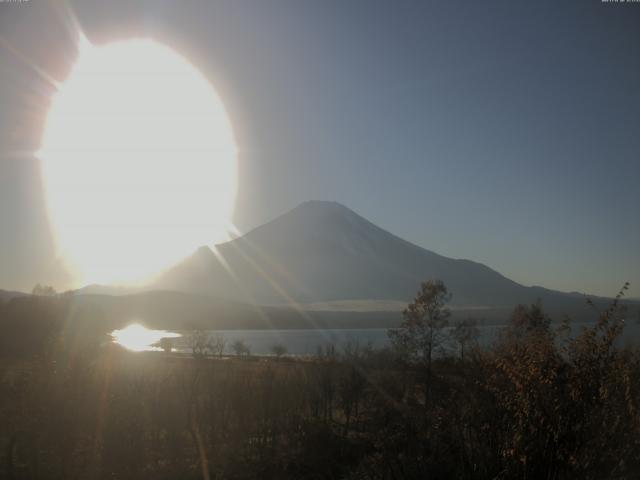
x=139 y=163
x=138 y=338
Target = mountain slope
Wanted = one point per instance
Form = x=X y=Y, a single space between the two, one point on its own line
x=6 y=295
x=323 y=251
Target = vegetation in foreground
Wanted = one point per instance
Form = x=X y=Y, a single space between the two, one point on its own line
x=537 y=404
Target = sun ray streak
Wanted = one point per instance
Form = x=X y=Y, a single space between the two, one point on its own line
x=291 y=302
x=69 y=19
x=288 y=276
x=28 y=63
x=239 y=284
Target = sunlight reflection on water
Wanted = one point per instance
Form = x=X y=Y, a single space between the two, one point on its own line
x=138 y=338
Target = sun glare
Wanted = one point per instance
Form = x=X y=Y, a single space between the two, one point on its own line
x=138 y=161
x=137 y=338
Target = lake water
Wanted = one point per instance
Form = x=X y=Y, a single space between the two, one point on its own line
x=297 y=342
x=306 y=342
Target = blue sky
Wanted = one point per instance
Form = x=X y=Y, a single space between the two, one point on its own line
x=504 y=132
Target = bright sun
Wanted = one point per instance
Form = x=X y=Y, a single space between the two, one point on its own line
x=138 y=160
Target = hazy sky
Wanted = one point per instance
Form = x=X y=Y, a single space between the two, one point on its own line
x=500 y=131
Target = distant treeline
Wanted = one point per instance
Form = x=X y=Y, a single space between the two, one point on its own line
x=538 y=404
x=170 y=310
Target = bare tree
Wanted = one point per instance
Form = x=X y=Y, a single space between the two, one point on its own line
x=240 y=348
x=422 y=331
x=200 y=344
x=526 y=320
x=327 y=353
x=279 y=350
x=354 y=351
x=464 y=333
x=166 y=344
x=351 y=389
x=219 y=344
x=44 y=290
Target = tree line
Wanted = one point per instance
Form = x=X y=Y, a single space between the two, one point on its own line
x=542 y=401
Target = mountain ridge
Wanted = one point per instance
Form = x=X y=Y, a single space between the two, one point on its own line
x=324 y=252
